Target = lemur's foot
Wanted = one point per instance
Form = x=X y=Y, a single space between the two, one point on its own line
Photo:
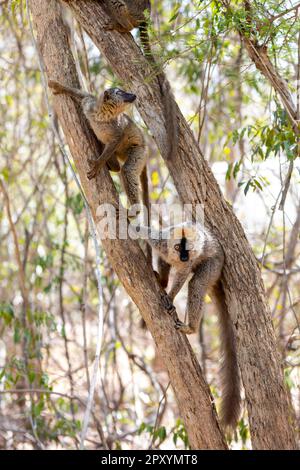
x=94 y=168
x=91 y=174
x=183 y=327
x=109 y=25
x=53 y=85
x=167 y=303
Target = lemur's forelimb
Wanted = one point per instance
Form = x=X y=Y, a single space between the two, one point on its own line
x=179 y=278
x=205 y=277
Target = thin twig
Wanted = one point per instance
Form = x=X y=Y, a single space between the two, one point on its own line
x=158 y=414
x=279 y=15
x=286 y=185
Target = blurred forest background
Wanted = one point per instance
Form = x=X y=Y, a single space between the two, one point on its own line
x=48 y=258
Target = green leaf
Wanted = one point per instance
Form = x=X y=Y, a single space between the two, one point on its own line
x=228 y=172
x=247 y=187
x=31 y=376
x=175 y=13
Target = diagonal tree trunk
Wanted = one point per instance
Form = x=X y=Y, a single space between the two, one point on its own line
x=192 y=393
x=270 y=416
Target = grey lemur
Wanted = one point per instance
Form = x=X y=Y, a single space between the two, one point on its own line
x=126 y=15
x=193 y=253
x=124 y=143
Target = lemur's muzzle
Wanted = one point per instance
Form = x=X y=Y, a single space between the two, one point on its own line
x=128 y=97
x=183 y=251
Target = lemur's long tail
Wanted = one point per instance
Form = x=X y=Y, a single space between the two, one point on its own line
x=146 y=202
x=169 y=104
x=230 y=376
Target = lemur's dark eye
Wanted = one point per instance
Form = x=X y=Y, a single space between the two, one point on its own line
x=177 y=247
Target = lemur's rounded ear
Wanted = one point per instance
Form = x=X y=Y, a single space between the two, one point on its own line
x=105 y=94
x=177 y=247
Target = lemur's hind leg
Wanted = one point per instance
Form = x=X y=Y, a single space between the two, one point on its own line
x=113 y=164
x=205 y=276
x=131 y=173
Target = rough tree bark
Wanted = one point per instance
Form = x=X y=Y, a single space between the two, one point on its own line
x=268 y=406
x=192 y=393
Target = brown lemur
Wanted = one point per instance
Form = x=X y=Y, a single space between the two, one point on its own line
x=124 y=144
x=193 y=253
x=126 y=15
